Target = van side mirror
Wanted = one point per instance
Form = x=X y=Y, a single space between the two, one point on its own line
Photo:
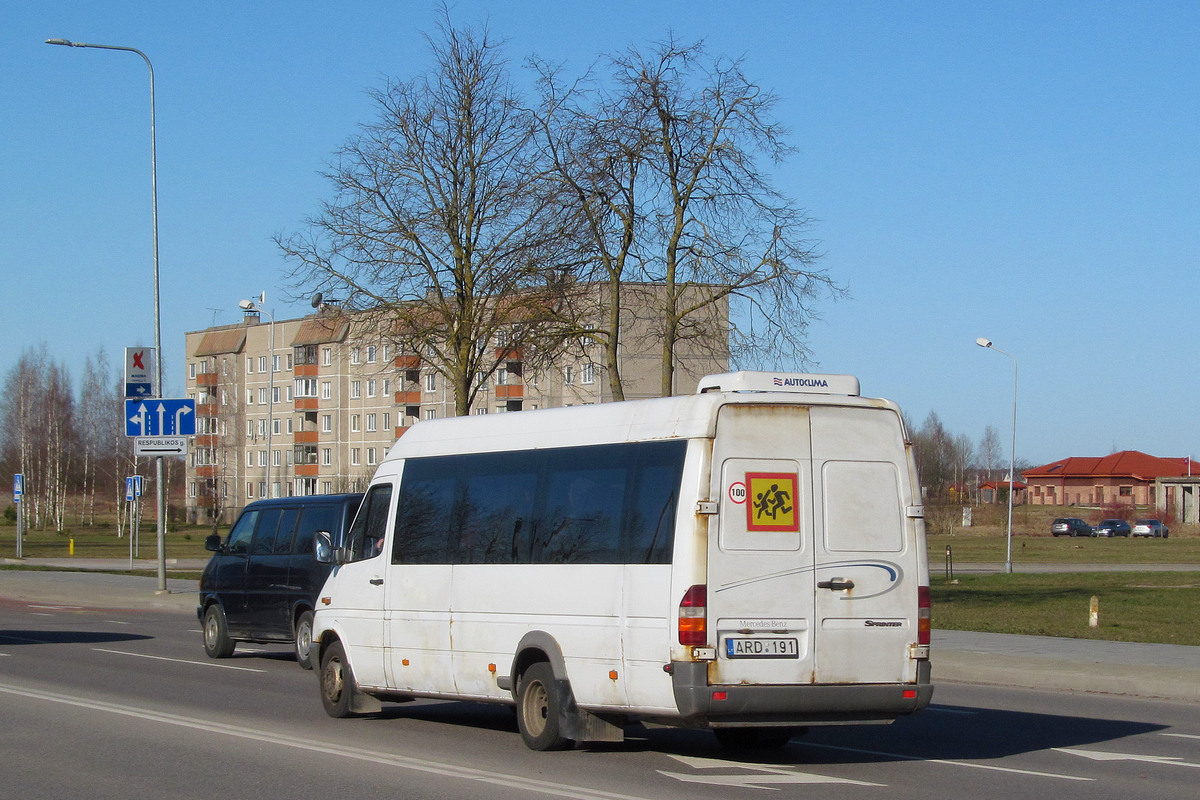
x=323 y=547
x=213 y=542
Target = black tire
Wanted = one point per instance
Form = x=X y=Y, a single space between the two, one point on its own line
x=337 y=682
x=539 y=703
x=217 y=643
x=303 y=640
x=755 y=738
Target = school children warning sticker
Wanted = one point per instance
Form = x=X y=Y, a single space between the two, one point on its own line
x=772 y=505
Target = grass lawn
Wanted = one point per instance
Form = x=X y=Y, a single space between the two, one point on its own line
x=1159 y=607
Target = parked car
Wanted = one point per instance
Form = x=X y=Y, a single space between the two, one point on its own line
x=1112 y=527
x=1071 y=526
x=262 y=581
x=1151 y=528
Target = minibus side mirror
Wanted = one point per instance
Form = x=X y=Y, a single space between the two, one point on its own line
x=213 y=542
x=323 y=547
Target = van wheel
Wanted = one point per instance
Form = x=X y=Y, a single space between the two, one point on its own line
x=538 y=704
x=216 y=634
x=755 y=738
x=337 y=682
x=304 y=627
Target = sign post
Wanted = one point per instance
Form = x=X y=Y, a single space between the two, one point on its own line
x=18 y=490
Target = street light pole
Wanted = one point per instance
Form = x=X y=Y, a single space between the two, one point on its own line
x=251 y=306
x=160 y=479
x=1012 y=453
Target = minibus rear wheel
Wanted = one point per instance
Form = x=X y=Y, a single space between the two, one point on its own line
x=756 y=738
x=539 y=703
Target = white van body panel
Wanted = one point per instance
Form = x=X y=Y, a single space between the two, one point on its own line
x=794 y=509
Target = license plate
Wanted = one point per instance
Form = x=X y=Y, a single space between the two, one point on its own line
x=760 y=647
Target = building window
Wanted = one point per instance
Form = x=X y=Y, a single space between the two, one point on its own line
x=355 y=356
x=371 y=388
x=355 y=460
x=262 y=458
x=501 y=377
x=387 y=420
x=249 y=490
x=275 y=363
x=588 y=374
x=370 y=456
x=326 y=390
x=326 y=356
x=276 y=427
x=262 y=396
x=326 y=456
x=327 y=423
x=481 y=410
x=1126 y=491
x=249 y=397
x=431 y=413
x=370 y=354
x=262 y=363
x=354 y=423
x=431 y=382
x=276 y=458
x=355 y=390
x=192 y=371
x=275 y=396
x=568 y=375
x=305 y=387
x=371 y=422
x=249 y=365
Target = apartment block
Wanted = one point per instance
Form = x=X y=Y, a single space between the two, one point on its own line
x=311 y=405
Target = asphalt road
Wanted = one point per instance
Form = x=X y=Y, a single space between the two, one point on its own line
x=107 y=694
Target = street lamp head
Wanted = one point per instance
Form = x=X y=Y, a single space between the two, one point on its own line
x=64 y=42
x=982 y=342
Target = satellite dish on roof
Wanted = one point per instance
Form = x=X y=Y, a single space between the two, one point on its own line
x=317 y=298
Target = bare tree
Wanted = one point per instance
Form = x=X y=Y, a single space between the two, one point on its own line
x=719 y=230
x=442 y=223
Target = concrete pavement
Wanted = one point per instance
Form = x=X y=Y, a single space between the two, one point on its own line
x=1170 y=672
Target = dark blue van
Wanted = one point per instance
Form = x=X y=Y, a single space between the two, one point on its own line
x=262 y=581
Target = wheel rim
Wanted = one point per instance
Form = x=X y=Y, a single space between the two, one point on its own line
x=210 y=630
x=304 y=640
x=535 y=706
x=331 y=680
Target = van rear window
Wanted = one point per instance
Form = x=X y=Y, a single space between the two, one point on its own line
x=603 y=504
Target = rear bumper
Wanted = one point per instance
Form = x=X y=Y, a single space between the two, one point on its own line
x=808 y=704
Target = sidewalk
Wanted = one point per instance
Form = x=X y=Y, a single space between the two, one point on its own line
x=1165 y=671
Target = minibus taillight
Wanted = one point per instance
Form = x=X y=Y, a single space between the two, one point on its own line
x=693 y=616
x=924 y=621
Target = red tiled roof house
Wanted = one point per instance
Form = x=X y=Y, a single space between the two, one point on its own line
x=1126 y=477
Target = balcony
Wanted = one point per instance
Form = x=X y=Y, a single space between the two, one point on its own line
x=206 y=379
x=509 y=392
x=408 y=398
x=408 y=362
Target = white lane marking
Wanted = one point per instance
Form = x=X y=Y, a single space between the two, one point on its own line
x=116 y=622
x=59 y=608
x=177 y=660
x=769 y=774
x=329 y=748
x=1181 y=735
x=1100 y=755
x=970 y=764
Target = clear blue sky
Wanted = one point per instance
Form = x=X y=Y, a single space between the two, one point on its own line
x=1027 y=172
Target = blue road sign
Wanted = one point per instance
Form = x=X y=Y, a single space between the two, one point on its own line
x=18 y=487
x=160 y=417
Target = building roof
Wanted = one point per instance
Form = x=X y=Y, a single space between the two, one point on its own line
x=321 y=329
x=229 y=340
x=1125 y=464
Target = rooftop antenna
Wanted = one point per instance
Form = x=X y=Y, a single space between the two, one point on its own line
x=214 y=319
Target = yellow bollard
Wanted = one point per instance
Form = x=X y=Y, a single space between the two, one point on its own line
x=71 y=548
x=1094 y=612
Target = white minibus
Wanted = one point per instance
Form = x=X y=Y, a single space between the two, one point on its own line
x=749 y=559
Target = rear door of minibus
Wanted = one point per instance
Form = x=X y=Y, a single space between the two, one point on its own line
x=809 y=577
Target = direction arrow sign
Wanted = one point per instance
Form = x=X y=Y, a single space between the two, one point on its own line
x=160 y=417
x=160 y=446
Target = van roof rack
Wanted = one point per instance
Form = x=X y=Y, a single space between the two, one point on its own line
x=800 y=382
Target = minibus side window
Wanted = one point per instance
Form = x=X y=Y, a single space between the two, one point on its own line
x=370 y=526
